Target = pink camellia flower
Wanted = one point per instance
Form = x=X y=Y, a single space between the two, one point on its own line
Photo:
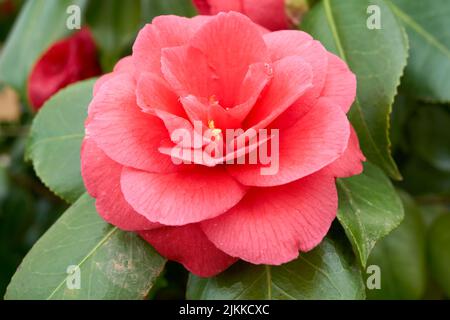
x=222 y=72
x=65 y=62
x=270 y=14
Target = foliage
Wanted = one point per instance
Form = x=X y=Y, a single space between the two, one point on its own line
x=401 y=115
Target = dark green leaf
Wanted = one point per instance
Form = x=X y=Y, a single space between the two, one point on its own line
x=369 y=208
x=41 y=22
x=430 y=135
x=401 y=113
x=427 y=75
x=420 y=178
x=324 y=273
x=377 y=57
x=153 y=8
x=401 y=257
x=113 y=264
x=55 y=140
x=116 y=23
x=439 y=253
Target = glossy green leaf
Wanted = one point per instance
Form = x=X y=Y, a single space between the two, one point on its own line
x=401 y=257
x=429 y=131
x=439 y=253
x=369 y=208
x=113 y=264
x=324 y=273
x=41 y=22
x=427 y=75
x=377 y=57
x=55 y=140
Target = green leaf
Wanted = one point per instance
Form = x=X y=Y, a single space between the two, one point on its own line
x=41 y=22
x=429 y=131
x=439 y=253
x=423 y=179
x=401 y=257
x=377 y=57
x=403 y=107
x=55 y=140
x=427 y=75
x=324 y=273
x=116 y=23
x=113 y=264
x=151 y=9
x=369 y=208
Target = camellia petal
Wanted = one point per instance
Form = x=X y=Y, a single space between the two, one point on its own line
x=316 y=140
x=121 y=130
x=292 y=77
x=270 y=14
x=154 y=93
x=189 y=245
x=350 y=163
x=271 y=225
x=230 y=57
x=163 y=32
x=183 y=197
x=340 y=84
x=287 y=43
x=102 y=179
x=179 y=124
x=125 y=65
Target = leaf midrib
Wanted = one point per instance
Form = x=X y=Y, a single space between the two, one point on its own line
x=91 y=253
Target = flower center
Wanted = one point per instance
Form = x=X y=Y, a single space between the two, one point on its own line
x=214 y=131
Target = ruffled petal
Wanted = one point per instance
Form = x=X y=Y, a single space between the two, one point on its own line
x=101 y=177
x=230 y=56
x=292 y=77
x=350 y=163
x=126 y=134
x=271 y=225
x=189 y=246
x=340 y=84
x=164 y=32
x=180 y=198
x=315 y=141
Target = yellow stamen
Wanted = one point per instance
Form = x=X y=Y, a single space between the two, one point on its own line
x=214 y=131
x=213 y=100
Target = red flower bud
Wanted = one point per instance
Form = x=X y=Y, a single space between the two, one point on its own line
x=65 y=62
